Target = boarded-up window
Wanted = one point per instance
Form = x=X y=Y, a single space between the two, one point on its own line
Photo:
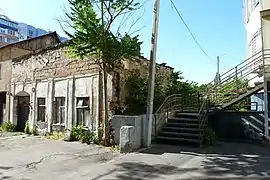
x=41 y=109
x=60 y=110
x=83 y=111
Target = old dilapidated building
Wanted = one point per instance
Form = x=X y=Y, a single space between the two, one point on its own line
x=14 y=50
x=54 y=92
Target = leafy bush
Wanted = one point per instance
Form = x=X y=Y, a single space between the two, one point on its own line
x=209 y=137
x=79 y=133
x=89 y=137
x=34 y=131
x=9 y=127
x=27 y=128
x=76 y=133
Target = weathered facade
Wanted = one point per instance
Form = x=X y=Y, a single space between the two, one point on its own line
x=7 y=53
x=55 y=92
x=60 y=91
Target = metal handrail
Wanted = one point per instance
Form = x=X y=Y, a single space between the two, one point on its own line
x=172 y=103
x=239 y=72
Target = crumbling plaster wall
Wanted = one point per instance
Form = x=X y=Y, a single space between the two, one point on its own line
x=53 y=74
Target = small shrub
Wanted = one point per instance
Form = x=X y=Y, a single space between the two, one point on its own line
x=34 y=131
x=27 y=128
x=209 y=137
x=76 y=133
x=8 y=127
x=79 y=133
x=89 y=137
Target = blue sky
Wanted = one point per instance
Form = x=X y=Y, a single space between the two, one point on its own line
x=217 y=25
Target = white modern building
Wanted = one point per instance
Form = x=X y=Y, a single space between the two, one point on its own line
x=252 y=22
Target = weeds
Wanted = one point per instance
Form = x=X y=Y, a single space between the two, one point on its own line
x=8 y=127
x=56 y=136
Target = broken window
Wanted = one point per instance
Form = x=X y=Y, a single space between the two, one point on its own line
x=83 y=111
x=60 y=110
x=41 y=109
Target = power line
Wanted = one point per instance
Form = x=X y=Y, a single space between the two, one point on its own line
x=192 y=35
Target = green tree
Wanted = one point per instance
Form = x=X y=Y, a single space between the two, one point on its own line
x=91 y=35
x=137 y=87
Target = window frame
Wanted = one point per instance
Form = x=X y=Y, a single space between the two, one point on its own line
x=41 y=107
x=58 y=108
x=85 y=108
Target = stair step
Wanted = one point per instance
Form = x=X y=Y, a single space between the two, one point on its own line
x=187 y=115
x=180 y=129
x=182 y=120
x=179 y=134
x=178 y=139
x=174 y=124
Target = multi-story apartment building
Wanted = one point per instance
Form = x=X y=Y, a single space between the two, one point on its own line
x=11 y=31
x=252 y=22
x=8 y=31
x=28 y=31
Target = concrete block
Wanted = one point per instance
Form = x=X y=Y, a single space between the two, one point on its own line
x=127 y=139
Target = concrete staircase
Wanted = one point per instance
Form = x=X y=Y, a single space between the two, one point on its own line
x=181 y=128
x=188 y=127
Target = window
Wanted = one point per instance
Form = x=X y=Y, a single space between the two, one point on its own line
x=11 y=32
x=2 y=39
x=60 y=110
x=41 y=109
x=9 y=40
x=31 y=33
x=83 y=111
x=2 y=30
x=0 y=71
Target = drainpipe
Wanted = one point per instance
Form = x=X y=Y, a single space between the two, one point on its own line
x=266 y=124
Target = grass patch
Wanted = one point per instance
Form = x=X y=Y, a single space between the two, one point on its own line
x=56 y=136
x=115 y=148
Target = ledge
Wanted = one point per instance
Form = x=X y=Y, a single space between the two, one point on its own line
x=265 y=14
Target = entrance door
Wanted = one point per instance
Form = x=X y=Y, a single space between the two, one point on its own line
x=23 y=111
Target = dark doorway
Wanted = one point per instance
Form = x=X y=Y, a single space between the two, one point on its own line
x=23 y=111
x=2 y=106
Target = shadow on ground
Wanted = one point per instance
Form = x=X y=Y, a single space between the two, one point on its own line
x=6 y=168
x=237 y=159
x=240 y=161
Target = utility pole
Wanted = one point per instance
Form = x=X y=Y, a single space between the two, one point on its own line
x=217 y=64
x=217 y=77
x=152 y=72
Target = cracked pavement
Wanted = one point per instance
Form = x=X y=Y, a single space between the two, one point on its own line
x=25 y=157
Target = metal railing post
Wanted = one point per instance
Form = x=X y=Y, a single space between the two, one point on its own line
x=236 y=80
x=155 y=126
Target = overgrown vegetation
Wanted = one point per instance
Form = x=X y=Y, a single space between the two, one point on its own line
x=209 y=137
x=137 y=88
x=8 y=127
x=27 y=128
x=34 y=131
x=79 y=133
x=228 y=91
